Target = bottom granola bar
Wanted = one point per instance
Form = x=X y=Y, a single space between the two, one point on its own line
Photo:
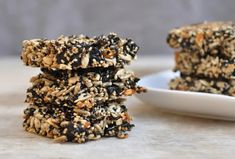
x=78 y=125
x=188 y=83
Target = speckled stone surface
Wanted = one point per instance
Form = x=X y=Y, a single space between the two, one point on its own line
x=157 y=134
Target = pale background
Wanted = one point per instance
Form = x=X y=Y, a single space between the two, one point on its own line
x=146 y=21
x=157 y=134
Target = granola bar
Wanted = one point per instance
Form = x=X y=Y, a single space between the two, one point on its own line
x=215 y=38
x=209 y=66
x=73 y=52
x=188 y=83
x=81 y=89
x=77 y=125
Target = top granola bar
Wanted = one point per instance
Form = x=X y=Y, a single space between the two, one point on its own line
x=216 y=38
x=73 y=52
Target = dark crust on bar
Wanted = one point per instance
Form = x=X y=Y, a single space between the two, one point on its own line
x=214 y=38
x=73 y=52
x=188 y=83
x=78 y=125
x=81 y=89
x=208 y=67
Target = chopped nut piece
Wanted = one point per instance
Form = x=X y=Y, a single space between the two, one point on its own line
x=73 y=80
x=108 y=53
x=60 y=139
x=129 y=92
x=47 y=61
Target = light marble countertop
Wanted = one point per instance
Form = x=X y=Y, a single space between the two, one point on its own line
x=156 y=135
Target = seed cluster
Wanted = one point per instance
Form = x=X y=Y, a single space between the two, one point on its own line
x=205 y=57
x=79 y=94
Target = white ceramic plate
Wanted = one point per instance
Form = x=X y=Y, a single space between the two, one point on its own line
x=185 y=102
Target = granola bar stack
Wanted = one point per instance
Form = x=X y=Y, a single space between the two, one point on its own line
x=79 y=94
x=205 y=57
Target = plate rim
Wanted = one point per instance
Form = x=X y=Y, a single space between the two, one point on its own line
x=178 y=91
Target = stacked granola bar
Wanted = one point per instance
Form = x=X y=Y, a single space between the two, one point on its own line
x=205 y=57
x=79 y=94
